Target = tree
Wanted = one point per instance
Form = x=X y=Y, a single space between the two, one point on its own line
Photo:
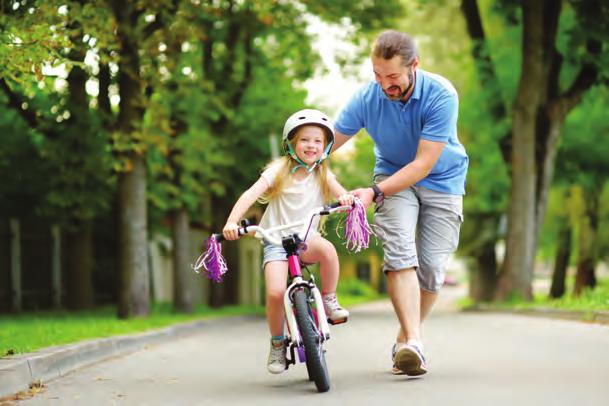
x=73 y=143
x=550 y=86
x=582 y=162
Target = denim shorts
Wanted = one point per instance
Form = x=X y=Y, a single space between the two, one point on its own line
x=419 y=228
x=273 y=252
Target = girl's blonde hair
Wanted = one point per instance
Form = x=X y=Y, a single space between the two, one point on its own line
x=284 y=175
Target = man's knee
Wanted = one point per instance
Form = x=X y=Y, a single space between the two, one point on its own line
x=431 y=275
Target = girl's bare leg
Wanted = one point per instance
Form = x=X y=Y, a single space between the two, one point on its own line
x=275 y=275
x=323 y=251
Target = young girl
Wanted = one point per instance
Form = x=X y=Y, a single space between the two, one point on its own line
x=293 y=185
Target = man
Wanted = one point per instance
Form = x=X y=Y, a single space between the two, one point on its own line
x=419 y=181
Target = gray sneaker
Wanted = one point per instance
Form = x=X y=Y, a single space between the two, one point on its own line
x=277 y=362
x=408 y=359
x=334 y=312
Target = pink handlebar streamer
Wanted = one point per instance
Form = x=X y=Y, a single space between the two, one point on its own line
x=212 y=261
x=357 y=229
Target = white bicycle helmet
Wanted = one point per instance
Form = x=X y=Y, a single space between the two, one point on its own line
x=307 y=117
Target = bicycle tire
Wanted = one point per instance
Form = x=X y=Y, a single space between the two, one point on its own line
x=316 y=360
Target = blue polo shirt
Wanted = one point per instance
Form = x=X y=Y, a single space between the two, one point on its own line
x=396 y=128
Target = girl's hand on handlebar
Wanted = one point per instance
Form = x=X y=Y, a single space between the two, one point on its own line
x=346 y=199
x=231 y=231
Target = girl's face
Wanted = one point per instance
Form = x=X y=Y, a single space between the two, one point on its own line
x=309 y=143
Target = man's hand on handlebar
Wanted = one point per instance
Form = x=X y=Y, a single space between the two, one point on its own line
x=231 y=231
x=366 y=195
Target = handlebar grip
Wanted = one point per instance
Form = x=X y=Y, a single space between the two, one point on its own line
x=333 y=205
x=242 y=231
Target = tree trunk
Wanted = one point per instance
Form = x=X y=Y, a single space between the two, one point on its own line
x=517 y=274
x=588 y=242
x=79 y=238
x=483 y=276
x=79 y=267
x=561 y=263
x=134 y=295
x=182 y=295
x=134 y=289
x=486 y=71
x=553 y=122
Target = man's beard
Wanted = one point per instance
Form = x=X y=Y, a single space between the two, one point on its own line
x=402 y=93
x=395 y=95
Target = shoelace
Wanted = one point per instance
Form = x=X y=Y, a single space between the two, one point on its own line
x=332 y=303
x=277 y=354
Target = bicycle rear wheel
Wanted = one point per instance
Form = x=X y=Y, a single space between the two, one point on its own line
x=311 y=337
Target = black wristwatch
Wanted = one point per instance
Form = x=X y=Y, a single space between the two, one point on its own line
x=379 y=196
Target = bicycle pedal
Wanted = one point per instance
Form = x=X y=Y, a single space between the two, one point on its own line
x=339 y=321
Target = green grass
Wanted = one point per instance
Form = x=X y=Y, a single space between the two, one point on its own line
x=590 y=300
x=31 y=331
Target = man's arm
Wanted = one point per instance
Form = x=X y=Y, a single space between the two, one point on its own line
x=339 y=140
x=428 y=154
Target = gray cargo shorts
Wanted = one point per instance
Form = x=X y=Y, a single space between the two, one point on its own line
x=419 y=229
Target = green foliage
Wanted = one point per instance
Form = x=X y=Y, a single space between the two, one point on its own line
x=582 y=167
x=590 y=300
x=355 y=288
x=582 y=156
x=30 y=35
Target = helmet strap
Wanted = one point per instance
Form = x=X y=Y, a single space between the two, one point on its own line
x=302 y=164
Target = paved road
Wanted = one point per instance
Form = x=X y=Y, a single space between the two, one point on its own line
x=475 y=359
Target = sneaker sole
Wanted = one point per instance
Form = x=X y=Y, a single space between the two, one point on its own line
x=276 y=371
x=396 y=371
x=409 y=363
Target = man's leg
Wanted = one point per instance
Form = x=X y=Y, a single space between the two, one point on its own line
x=403 y=289
x=397 y=219
x=437 y=237
x=426 y=303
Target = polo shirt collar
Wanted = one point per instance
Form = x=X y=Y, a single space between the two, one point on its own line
x=418 y=85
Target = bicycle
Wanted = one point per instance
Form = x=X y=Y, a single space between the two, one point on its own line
x=305 y=316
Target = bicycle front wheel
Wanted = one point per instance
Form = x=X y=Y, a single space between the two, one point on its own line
x=311 y=338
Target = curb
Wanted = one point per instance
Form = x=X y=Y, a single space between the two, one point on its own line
x=18 y=372
x=588 y=316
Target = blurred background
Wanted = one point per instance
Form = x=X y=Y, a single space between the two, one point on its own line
x=129 y=129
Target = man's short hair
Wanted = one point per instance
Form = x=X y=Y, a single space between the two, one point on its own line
x=391 y=43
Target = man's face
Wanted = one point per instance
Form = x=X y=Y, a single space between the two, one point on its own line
x=393 y=77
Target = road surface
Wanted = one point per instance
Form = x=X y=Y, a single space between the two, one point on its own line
x=474 y=359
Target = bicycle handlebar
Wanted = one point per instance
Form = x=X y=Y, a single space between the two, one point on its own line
x=318 y=211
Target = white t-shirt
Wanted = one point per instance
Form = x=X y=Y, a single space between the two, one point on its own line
x=296 y=200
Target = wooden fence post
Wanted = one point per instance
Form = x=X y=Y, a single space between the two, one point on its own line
x=15 y=264
x=56 y=265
